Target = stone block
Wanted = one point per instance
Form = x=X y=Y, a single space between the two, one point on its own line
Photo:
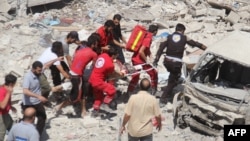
x=244 y=15
x=201 y=11
x=210 y=28
x=216 y=12
x=89 y=122
x=16 y=70
x=3 y=19
x=4 y=7
x=233 y=17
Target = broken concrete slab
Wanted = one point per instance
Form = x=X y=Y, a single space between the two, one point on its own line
x=142 y=15
x=233 y=17
x=89 y=122
x=194 y=27
x=4 y=6
x=216 y=12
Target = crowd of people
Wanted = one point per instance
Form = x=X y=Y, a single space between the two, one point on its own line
x=102 y=49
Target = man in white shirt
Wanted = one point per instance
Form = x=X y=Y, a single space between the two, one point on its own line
x=51 y=56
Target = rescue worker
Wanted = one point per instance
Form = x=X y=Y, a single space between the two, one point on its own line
x=143 y=57
x=103 y=91
x=81 y=58
x=175 y=45
x=72 y=37
x=106 y=34
x=119 y=38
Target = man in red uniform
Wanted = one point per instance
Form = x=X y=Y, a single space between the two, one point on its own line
x=104 y=92
x=81 y=58
x=5 y=104
x=142 y=57
x=106 y=34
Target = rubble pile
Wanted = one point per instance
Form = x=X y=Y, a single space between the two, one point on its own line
x=25 y=36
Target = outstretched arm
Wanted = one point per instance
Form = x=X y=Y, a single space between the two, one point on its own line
x=195 y=43
x=160 y=51
x=48 y=64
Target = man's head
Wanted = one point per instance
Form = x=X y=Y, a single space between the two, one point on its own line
x=29 y=114
x=112 y=52
x=180 y=28
x=10 y=80
x=109 y=26
x=57 y=48
x=145 y=84
x=72 y=37
x=117 y=18
x=93 y=41
x=153 y=29
x=37 y=67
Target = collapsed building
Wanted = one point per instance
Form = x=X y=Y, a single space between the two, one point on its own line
x=26 y=33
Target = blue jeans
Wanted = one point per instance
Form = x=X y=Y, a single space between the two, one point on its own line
x=144 y=138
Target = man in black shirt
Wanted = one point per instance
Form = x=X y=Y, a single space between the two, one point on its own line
x=118 y=37
x=175 y=44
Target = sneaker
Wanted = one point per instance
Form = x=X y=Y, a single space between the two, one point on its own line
x=106 y=108
x=95 y=113
x=169 y=107
x=113 y=104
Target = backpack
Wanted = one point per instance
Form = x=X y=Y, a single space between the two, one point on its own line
x=136 y=38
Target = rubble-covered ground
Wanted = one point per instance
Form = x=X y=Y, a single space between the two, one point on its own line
x=23 y=38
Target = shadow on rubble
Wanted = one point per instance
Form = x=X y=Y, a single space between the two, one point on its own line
x=45 y=7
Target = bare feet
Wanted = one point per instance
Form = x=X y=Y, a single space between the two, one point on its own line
x=57 y=110
x=84 y=113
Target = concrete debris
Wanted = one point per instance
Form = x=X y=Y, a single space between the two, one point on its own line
x=233 y=17
x=4 y=7
x=28 y=31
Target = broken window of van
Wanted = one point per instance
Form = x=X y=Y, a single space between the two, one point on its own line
x=215 y=71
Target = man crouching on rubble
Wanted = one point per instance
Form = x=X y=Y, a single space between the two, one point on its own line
x=103 y=91
x=173 y=60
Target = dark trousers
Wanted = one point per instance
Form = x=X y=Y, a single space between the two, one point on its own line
x=144 y=138
x=55 y=73
x=120 y=56
x=40 y=114
x=87 y=90
x=174 y=68
x=76 y=94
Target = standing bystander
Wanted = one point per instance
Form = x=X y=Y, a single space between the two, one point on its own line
x=32 y=94
x=139 y=112
x=5 y=104
x=25 y=130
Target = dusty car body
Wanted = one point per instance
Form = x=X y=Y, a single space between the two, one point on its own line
x=216 y=90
